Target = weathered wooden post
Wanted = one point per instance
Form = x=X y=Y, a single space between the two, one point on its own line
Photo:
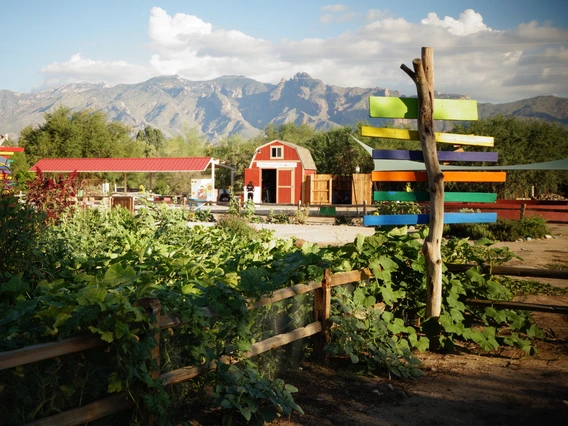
x=423 y=77
x=322 y=309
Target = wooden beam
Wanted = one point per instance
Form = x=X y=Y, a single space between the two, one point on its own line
x=342 y=278
x=190 y=372
x=513 y=271
x=454 y=197
x=284 y=293
x=283 y=339
x=44 y=351
x=412 y=135
x=444 y=109
x=88 y=413
x=552 y=309
x=424 y=219
x=410 y=176
x=400 y=154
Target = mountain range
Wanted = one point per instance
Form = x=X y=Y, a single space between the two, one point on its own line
x=233 y=104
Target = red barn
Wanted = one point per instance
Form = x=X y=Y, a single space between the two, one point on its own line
x=278 y=172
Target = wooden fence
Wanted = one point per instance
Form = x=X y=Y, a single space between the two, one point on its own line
x=120 y=402
x=518 y=209
x=319 y=329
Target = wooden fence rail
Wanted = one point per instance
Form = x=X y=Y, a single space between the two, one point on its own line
x=320 y=328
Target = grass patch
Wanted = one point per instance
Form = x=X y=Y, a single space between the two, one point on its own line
x=530 y=287
x=557 y=266
x=502 y=230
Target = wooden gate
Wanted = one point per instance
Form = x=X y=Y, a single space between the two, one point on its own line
x=329 y=189
x=320 y=187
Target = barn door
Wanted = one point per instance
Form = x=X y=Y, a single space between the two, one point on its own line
x=285 y=182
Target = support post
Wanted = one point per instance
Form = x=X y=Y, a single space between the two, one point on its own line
x=423 y=77
x=322 y=309
x=523 y=211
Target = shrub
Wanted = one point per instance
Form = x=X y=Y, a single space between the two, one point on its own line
x=502 y=230
x=202 y=216
x=237 y=226
x=279 y=217
x=20 y=227
x=55 y=198
x=343 y=220
x=398 y=207
x=301 y=216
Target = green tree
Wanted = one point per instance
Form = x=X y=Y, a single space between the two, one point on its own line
x=190 y=144
x=336 y=152
x=81 y=134
x=291 y=132
x=154 y=141
x=523 y=141
x=239 y=153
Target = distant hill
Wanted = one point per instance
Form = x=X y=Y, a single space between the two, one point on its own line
x=231 y=104
x=548 y=108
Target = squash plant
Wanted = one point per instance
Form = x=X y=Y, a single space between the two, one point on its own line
x=94 y=265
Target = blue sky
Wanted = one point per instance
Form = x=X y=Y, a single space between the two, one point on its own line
x=493 y=51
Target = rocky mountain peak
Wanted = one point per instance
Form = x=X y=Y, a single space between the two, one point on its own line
x=302 y=76
x=229 y=104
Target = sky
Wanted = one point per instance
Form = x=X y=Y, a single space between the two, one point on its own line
x=491 y=50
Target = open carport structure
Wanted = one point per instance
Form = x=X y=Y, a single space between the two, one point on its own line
x=131 y=165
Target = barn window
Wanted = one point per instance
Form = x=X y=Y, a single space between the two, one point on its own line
x=276 y=152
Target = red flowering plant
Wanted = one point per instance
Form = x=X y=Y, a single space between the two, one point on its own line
x=56 y=198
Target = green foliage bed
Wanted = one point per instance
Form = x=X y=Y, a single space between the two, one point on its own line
x=83 y=274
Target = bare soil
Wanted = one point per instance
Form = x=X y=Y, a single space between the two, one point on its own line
x=463 y=388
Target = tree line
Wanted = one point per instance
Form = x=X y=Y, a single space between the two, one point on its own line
x=89 y=134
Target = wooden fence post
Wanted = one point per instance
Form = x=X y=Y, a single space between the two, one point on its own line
x=322 y=308
x=523 y=210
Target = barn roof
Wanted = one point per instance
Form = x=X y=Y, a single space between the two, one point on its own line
x=131 y=165
x=304 y=154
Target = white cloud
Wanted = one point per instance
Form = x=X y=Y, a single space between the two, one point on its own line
x=470 y=58
x=376 y=14
x=337 y=13
x=468 y=23
x=176 y=31
x=79 y=69
x=334 y=8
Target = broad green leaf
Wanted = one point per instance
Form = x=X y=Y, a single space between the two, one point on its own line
x=114 y=383
x=117 y=275
x=107 y=336
x=369 y=301
x=91 y=295
x=15 y=286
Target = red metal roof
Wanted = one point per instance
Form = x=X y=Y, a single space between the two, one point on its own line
x=11 y=149
x=148 y=165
